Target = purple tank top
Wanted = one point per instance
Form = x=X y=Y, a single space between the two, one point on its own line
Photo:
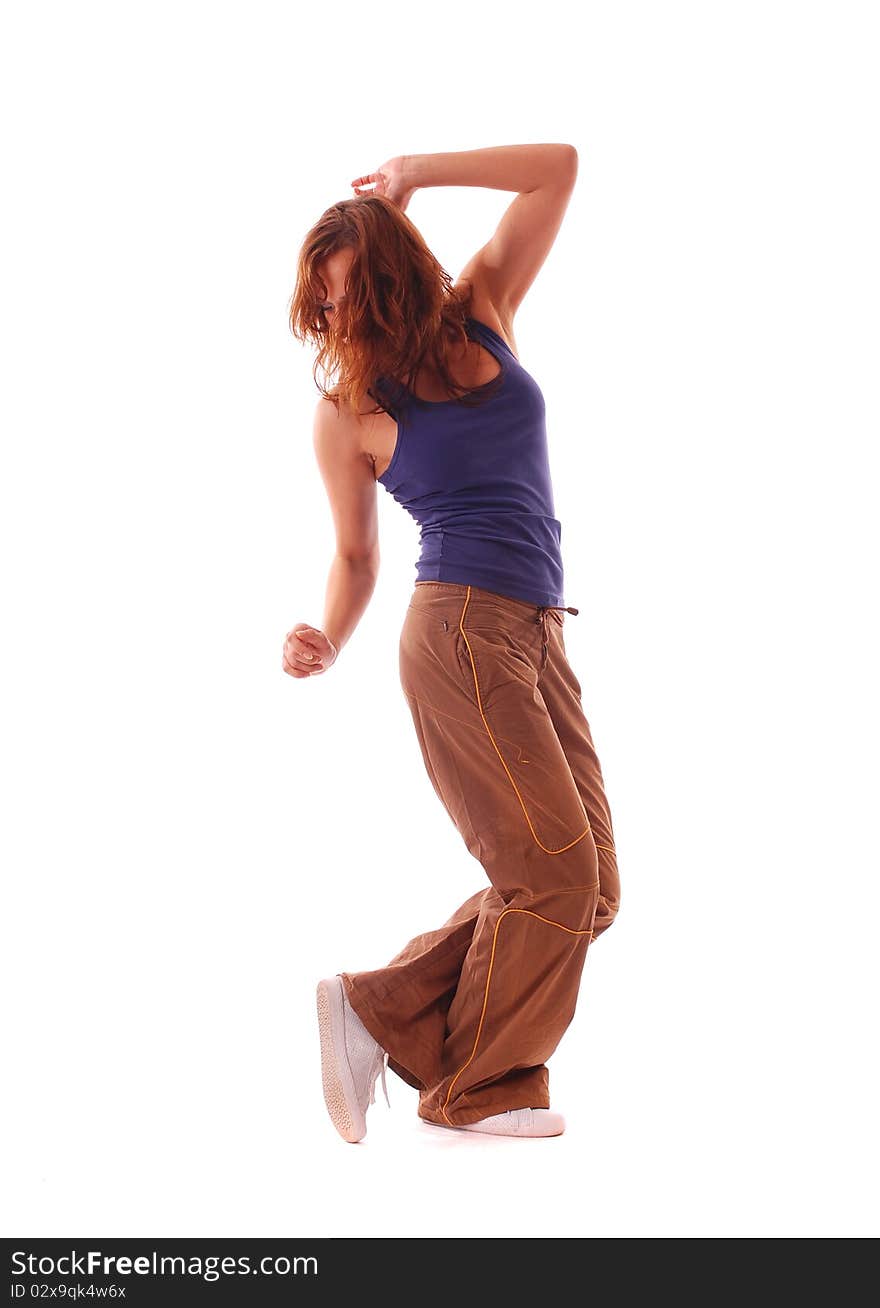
x=477 y=481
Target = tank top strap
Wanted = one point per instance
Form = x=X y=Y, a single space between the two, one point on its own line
x=391 y=396
x=482 y=329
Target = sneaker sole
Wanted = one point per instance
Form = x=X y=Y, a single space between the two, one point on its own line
x=339 y=1093
x=502 y=1135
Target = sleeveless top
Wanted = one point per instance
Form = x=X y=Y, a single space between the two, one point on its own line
x=477 y=481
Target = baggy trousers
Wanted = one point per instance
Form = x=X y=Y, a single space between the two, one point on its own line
x=469 y=1013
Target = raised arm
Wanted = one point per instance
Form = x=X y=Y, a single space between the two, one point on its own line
x=544 y=177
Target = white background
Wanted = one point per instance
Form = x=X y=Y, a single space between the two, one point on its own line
x=192 y=839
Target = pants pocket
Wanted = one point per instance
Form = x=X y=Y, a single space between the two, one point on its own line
x=431 y=616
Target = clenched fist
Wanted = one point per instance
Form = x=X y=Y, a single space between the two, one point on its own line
x=307 y=651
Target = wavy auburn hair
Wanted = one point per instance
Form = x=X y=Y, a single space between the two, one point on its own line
x=400 y=308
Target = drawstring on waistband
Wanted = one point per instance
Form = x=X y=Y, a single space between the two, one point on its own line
x=544 y=612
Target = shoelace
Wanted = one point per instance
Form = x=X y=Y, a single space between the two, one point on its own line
x=380 y=1067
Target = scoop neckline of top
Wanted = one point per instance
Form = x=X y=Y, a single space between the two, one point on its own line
x=501 y=375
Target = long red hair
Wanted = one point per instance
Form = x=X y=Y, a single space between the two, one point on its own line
x=400 y=310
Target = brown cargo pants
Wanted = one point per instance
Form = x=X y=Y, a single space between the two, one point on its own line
x=469 y=1013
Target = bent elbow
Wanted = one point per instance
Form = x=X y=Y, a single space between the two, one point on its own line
x=570 y=159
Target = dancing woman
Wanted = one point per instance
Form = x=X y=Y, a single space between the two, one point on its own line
x=432 y=403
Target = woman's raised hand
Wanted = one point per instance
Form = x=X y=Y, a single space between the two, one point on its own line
x=307 y=651
x=390 y=180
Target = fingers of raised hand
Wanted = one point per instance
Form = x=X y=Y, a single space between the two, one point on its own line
x=360 y=184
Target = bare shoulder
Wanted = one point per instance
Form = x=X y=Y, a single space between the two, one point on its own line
x=343 y=434
x=340 y=417
x=485 y=311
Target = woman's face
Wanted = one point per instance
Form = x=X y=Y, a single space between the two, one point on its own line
x=333 y=272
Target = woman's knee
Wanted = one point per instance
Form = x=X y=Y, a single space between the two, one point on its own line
x=606 y=912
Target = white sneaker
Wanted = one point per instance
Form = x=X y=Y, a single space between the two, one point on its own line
x=351 y=1060
x=519 y=1121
